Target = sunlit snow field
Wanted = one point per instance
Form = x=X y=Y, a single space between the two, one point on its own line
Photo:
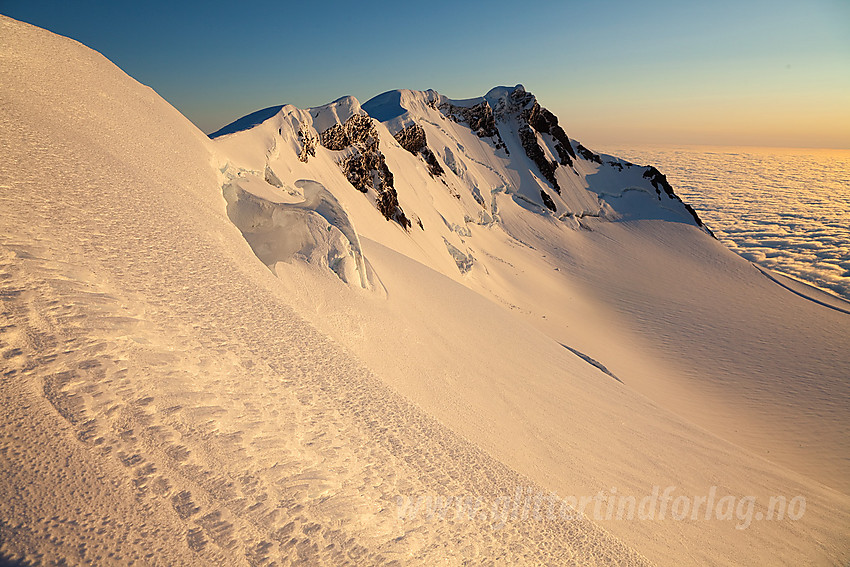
x=786 y=209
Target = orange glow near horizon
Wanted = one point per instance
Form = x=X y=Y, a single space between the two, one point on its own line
x=782 y=121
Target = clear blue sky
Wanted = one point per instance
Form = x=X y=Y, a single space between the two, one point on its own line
x=720 y=72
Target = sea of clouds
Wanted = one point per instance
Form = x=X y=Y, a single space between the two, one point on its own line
x=785 y=209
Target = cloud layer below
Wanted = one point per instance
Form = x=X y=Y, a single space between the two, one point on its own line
x=785 y=209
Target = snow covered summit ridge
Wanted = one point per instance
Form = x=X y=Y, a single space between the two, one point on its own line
x=546 y=168
x=435 y=165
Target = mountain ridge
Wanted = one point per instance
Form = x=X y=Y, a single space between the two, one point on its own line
x=502 y=142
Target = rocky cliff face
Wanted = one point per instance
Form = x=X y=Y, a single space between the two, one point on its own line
x=365 y=166
x=535 y=153
x=358 y=129
x=547 y=123
x=308 y=144
x=521 y=106
x=479 y=118
x=659 y=181
x=547 y=200
x=588 y=155
x=412 y=139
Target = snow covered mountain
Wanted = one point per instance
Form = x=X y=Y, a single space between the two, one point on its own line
x=416 y=331
x=471 y=160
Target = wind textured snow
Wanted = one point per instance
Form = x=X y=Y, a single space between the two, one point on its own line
x=275 y=345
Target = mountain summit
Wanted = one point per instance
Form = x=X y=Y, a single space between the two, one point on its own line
x=438 y=165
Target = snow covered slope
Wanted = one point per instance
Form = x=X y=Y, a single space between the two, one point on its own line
x=302 y=342
x=495 y=187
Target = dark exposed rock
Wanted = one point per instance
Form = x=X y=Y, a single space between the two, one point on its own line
x=588 y=155
x=528 y=139
x=334 y=138
x=434 y=167
x=358 y=129
x=659 y=181
x=537 y=120
x=361 y=169
x=699 y=222
x=519 y=98
x=413 y=140
x=545 y=122
x=479 y=118
x=564 y=152
x=308 y=144
x=522 y=106
x=366 y=168
x=547 y=200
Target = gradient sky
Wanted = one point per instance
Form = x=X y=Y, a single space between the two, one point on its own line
x=742 y=72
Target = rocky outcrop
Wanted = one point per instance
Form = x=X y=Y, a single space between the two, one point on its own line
x=618 y=165
x=547 y=123
x=434 y=167
x=659 y=182
x=699 y=222
x=357 y=130
x=308 y=144
x=335 y=138
x=547 y=200
x=520 y=105
x=366 y=170
x=588 y=155
x=479 y=118
x=528 y=139
x=365 y=167
x=413 y=140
